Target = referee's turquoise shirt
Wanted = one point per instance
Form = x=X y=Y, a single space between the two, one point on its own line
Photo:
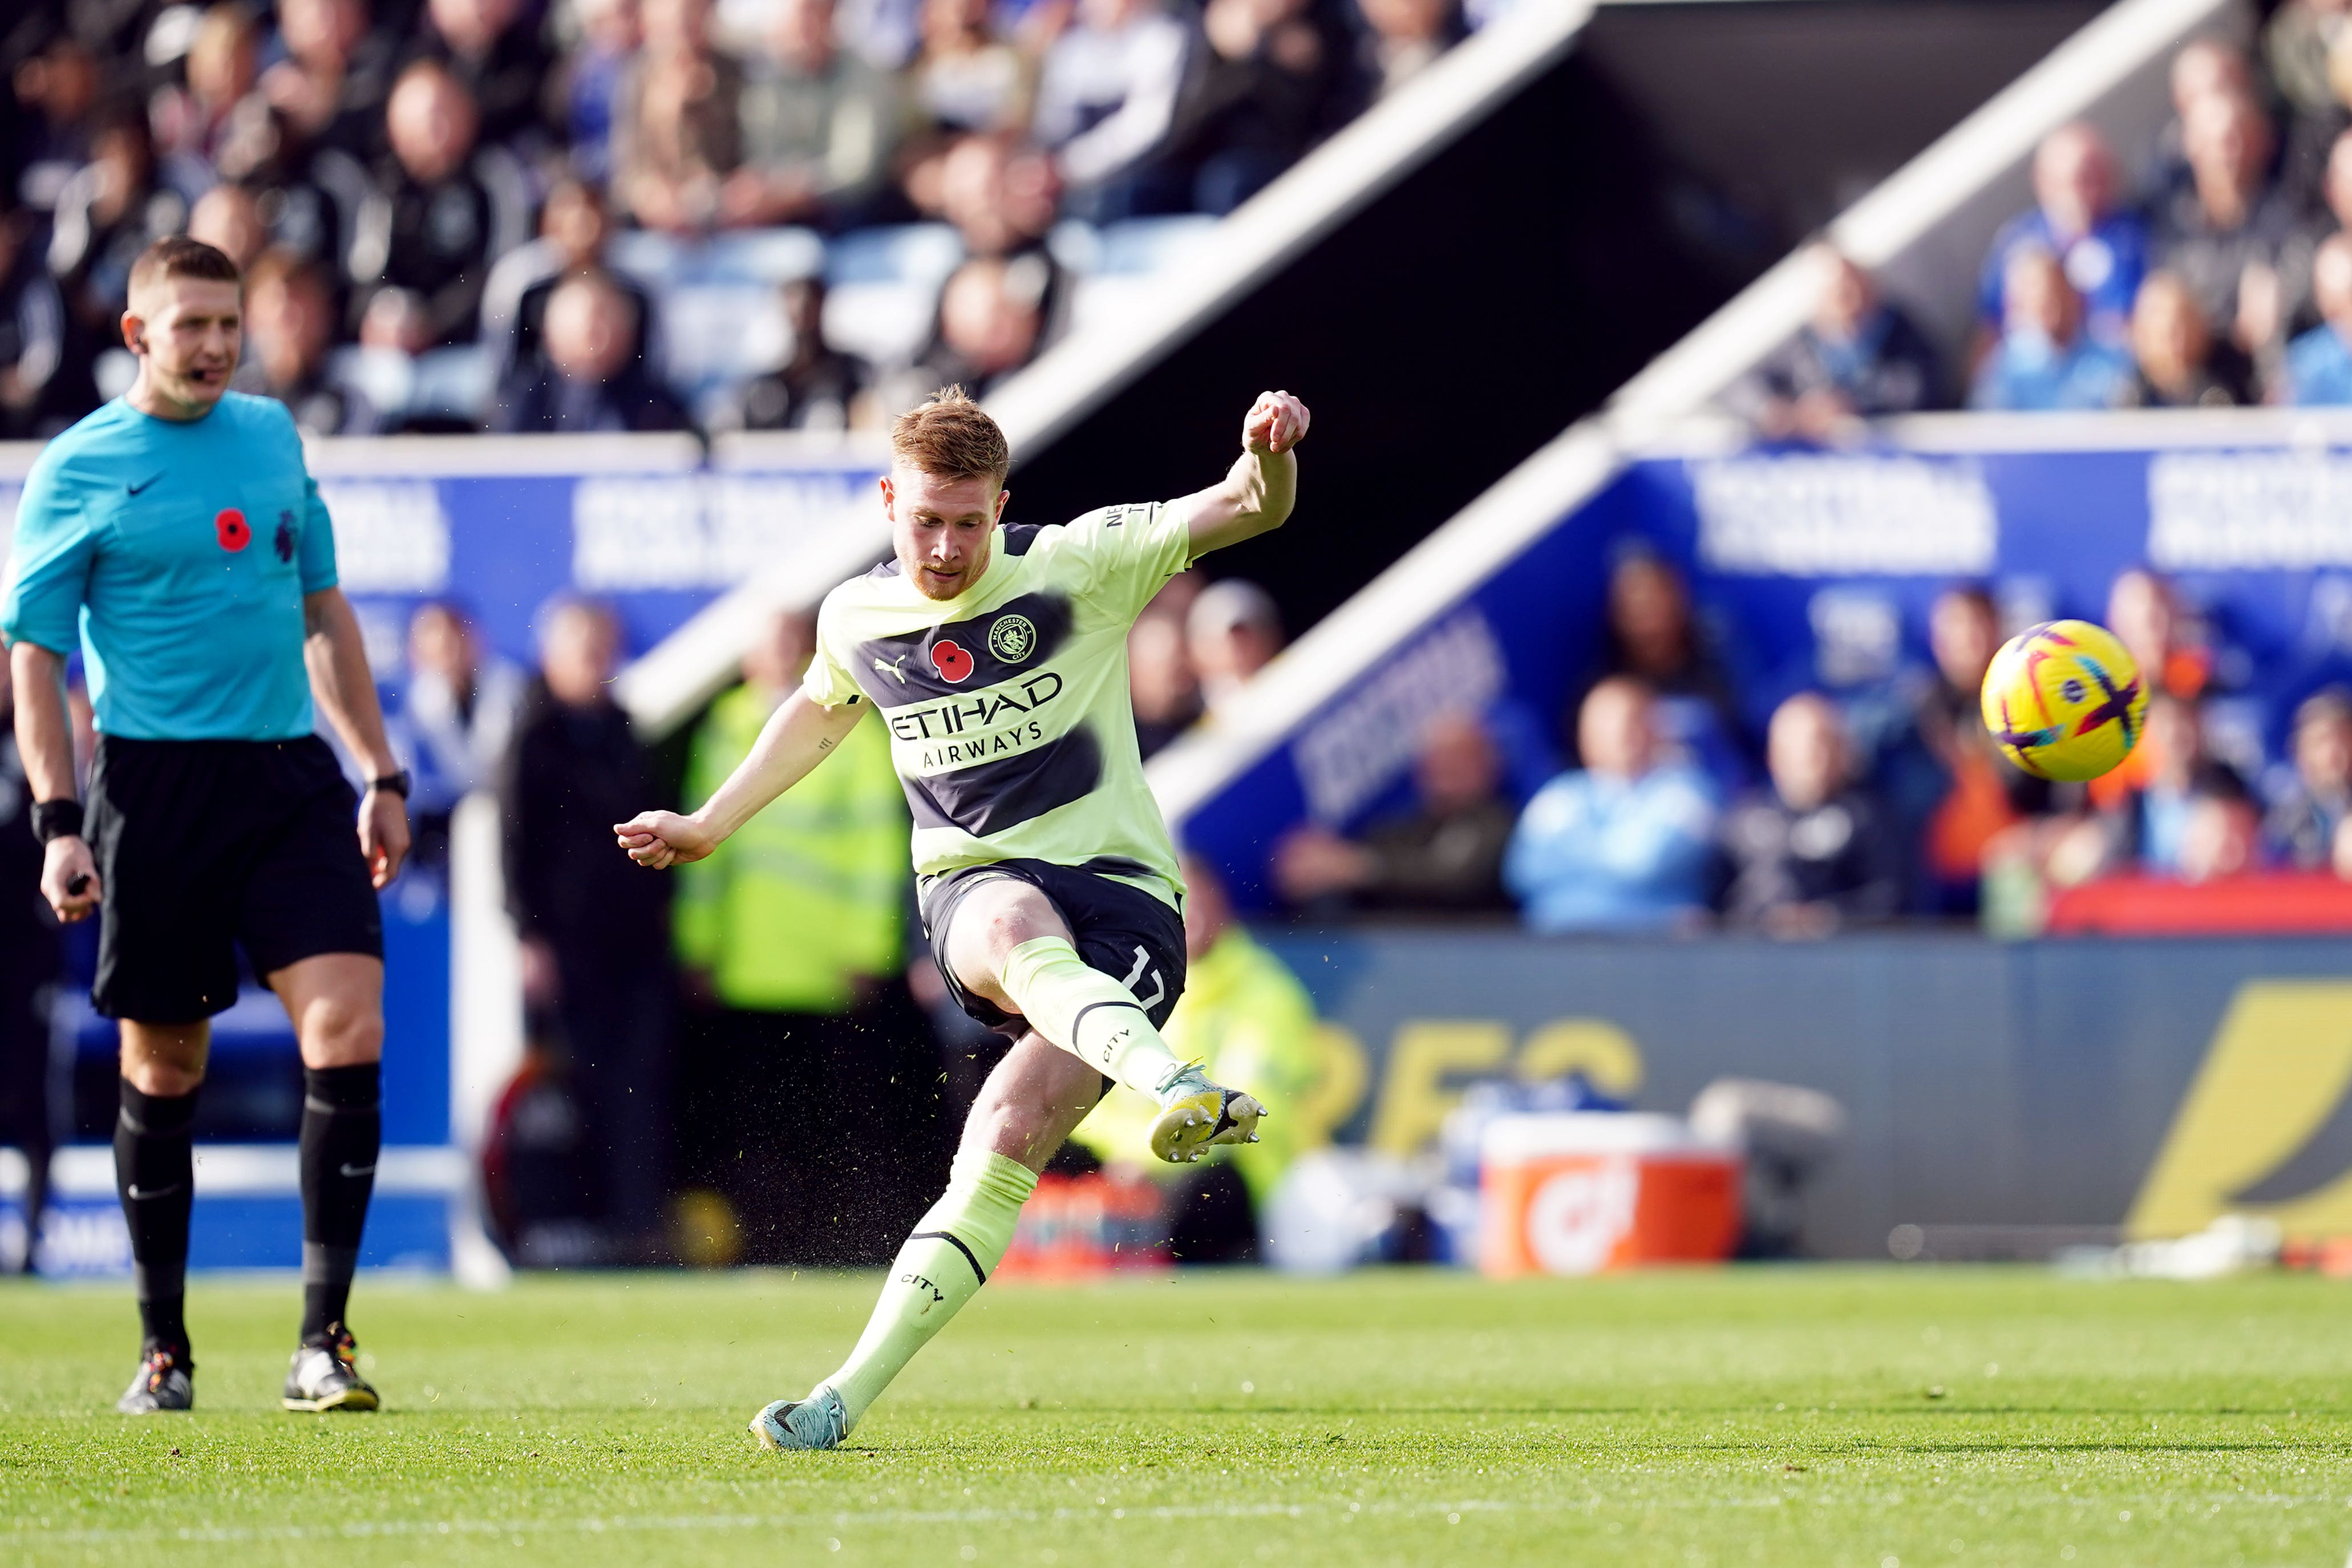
x=178 y=553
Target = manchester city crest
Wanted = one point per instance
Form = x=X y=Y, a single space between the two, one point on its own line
x=1012 y=638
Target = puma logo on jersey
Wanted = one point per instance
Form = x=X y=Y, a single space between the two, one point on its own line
x=896 y=669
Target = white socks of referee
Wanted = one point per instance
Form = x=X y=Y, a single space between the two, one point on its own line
x=1088 y=1014
x=954 y=1249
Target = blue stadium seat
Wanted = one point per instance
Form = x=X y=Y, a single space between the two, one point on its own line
x=716 y=332
x=883 y=289
x=1127 y=260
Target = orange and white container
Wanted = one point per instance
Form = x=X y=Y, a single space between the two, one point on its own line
x=1586 y=1192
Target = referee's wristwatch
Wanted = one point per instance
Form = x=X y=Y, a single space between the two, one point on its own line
x=391 y=784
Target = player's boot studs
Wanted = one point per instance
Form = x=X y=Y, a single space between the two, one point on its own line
x=1195 y=1114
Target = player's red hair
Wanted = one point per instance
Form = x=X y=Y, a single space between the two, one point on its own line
x=949 y=436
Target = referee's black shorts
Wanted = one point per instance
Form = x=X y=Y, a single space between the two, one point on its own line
x=206 y=845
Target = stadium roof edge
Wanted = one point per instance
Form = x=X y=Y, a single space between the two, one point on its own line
x=666 y=686
x=1963 y=166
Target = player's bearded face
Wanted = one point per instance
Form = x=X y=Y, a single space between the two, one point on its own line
x=189 y=330
x=942 y=530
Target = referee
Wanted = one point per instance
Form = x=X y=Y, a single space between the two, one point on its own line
x=176 y=538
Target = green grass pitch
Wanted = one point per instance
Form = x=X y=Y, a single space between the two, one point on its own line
x=1756 y=1416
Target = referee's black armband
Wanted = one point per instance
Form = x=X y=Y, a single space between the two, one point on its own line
x=56 y=819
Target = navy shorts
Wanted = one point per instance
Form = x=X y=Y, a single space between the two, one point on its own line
x=1119 y=929
x=204 y=846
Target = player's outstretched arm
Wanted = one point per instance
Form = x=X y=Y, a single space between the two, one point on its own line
x=798 y=735
x=1262 y=485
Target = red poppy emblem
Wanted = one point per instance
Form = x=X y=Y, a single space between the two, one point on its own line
x=951 y=662
x=230 y=524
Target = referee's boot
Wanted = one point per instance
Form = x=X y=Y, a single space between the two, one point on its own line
x=163 y=1383
x=325 y=1377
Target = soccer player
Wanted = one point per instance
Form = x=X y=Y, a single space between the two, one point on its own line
x=997 y=657
x=176 y=538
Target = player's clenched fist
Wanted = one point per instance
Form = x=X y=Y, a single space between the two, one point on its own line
x=664 y=839
x=1278 y=421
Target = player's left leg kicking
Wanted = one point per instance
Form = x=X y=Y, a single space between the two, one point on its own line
x=1008 y=945
x=335 y=1000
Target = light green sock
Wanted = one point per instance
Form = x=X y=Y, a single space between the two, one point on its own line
x=1088 y=1014
x=943 y=1265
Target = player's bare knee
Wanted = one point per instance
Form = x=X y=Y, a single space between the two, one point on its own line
x=165 y=1060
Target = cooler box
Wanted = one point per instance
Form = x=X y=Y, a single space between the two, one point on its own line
x=1581 y=1192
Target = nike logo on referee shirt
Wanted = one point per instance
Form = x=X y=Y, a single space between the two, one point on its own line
x=142 y=484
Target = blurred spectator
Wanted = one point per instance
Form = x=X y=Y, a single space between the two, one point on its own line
x=29 y=962
x=1242 y=1014
x=1857 y=358
x=2149 y=824
x=493 y=50
x=1652 y=635
x=595 y=928
x=58 y=89
x=1445 y=855
x=1161 y=687
x=966 y=78
x=220 y=68
x=574 y=226
x=2078 y=217
x=2044 y=361
x=2204 y=68
x=305 y=198
x=2223 y=233
x=2304 y=824
x=785 y=930
x=813 y=390
x=336 y=74
x=456 y=719
x=1624 y=843
x=227 y=218
x=397 y=320
x=1105 y=103
x=289 y=325
x=819 y=127
x=2145 y=618
x=2221 y=837
x=106 y=212
x=2298 y=311
x=2297 y=43
x=1403 y=36
x=1258 y=97
x=1232 y=632
x=991 y=318
x=1967 y=794
x=1001 y=198
x=2175 y=363
x=592 y=75
x=435 y=225
x=592 y=376
x=1816 y=852
x=678 y=128
x=44 y=382
x=2319 y=362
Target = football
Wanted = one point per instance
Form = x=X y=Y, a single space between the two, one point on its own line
x=2064 y=700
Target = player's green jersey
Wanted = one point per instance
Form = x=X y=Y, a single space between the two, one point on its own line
x=1007 y=705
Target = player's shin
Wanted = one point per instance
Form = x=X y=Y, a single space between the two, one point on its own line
x=1088 y=1014
x=953 y=1252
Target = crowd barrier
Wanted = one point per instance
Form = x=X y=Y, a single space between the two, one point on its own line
x=2072 y=1087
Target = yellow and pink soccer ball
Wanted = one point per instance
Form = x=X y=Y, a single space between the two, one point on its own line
x=2064 y=700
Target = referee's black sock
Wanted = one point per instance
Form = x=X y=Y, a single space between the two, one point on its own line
x=155 y=1172
x=342 y=1129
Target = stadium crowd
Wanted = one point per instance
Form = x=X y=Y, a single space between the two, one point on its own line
x=2224 y=278
x=643 y=214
